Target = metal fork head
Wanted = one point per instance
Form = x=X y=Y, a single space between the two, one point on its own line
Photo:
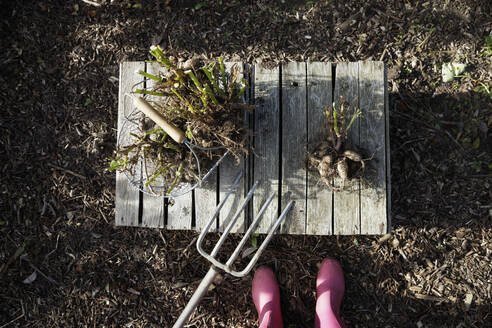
x=227 y=266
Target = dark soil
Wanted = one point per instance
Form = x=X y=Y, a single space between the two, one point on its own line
x=59 y=71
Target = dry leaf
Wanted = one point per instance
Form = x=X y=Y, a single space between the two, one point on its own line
x=248 y=251
x=31 y=278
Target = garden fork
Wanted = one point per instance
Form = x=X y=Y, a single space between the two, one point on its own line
x=216 y=265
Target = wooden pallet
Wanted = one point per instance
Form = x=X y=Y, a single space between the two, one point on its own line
x=290 y=99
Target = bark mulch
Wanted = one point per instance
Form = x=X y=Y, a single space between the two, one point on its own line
x=63 y=263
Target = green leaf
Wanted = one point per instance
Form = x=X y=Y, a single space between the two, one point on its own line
x=150 y=76
x=157 y=131
x=254 y=240
x=477 y=166
x=172 y=146
x=195 y=80
x=190 y=106
x=210 y=75
x=335 y=123
x=114 y=165
x=451 y=70
x=189 y=134
x=157 y=174
x=199 y=5
x=476 y=143
x=488 y=48
x=243 y=86
x=87 y=102
x=210 y=94
x=150 y=93
x=356 y=114
x=117 y=164
x=157 y=52
x=222 y=73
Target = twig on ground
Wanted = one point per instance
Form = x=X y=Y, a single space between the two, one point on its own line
x=26 y=258
x=162 y=237
x=15 y=319
x=67 y=171
x=104 y=216
x=56 y=247
x=47 y=205
x=17 y=253
x=92 y=3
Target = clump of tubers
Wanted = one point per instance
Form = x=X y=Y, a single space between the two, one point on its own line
x=333 y=159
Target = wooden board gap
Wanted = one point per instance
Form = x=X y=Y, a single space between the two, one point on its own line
x=249 y=163
x=333 y=79
x=306 y=183
x=217 y=196
x=166 y=204
x=193 y=210
x=140 y=207
x=279 y=205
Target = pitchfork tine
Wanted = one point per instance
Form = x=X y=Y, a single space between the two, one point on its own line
x=216 y=265
x=250 y=231
x=219 y=207
x=231 y=224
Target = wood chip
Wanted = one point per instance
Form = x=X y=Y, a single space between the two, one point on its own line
x=468 y=301
x=428 y=298
x=384 y=238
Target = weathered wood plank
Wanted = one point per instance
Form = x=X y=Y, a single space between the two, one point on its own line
x=319 y=199
x=153 y=207
x=372 y=140
x=294 y=146
x=206 y=202
x=388 y=163
x=346 y=204
x=179 y=211
x=228 y=171
x=266 y=142
x=364 y=210
x=127 y=196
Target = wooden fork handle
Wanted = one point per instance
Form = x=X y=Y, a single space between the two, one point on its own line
x=174 y=132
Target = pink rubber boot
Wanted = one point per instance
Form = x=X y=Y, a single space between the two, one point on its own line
x=266 y=297
x=330 y=287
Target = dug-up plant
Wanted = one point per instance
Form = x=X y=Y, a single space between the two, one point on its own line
x=200 y=98
x=334 y=159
